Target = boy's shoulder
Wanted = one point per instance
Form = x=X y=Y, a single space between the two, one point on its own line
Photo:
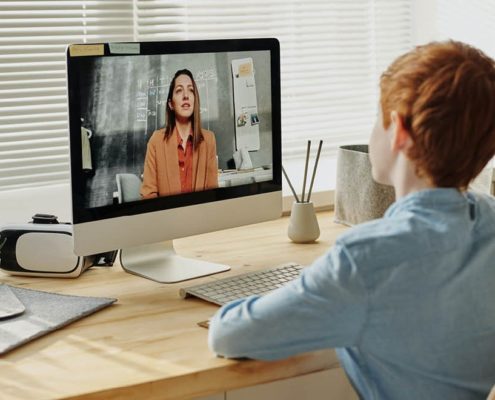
x=483 y=199
x=381 y=228
x=485 y=210
x=398 y=238
x=415 y=234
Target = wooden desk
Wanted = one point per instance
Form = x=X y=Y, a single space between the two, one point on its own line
x=147 y=345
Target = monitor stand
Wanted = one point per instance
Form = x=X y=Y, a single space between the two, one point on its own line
x=160 y=263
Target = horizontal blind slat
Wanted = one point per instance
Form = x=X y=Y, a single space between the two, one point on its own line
x=42 y=124
x=28 y=169
x=12 y=94
x=33 y=151
x=35 y=134
x=34 y=180
x=34 y=161
x=62 y=4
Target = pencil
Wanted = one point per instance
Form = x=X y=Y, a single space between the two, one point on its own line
x=290 y=184
x=306 y=170
x=314 y=170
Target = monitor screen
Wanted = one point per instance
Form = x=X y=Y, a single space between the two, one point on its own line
x=171 y=126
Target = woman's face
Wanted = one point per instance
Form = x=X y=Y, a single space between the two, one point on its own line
x=182 y=102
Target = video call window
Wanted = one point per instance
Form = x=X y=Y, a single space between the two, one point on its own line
x=165 y=125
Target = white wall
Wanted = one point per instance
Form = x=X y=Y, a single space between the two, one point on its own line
x=18 y=206
x=424 y=21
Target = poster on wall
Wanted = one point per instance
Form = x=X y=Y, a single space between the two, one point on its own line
x=247 y=131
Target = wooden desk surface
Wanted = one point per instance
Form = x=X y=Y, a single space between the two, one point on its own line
x=148 y=345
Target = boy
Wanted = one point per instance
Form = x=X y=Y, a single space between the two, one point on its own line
x=408 y=300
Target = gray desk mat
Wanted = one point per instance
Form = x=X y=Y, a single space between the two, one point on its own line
x=10 y=305
x=44 y=312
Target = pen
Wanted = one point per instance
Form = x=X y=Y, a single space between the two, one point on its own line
x=314 y=170
x=290 y=184
x=306 y=170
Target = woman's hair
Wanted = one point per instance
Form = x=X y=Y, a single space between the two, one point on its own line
x=170 y=114
x=445 y=94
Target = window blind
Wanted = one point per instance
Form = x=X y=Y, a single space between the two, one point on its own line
x=33 y=106
x=332 y=53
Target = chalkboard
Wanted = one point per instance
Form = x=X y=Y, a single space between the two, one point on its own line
x=123 y=102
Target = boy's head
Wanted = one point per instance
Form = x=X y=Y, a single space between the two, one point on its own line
x=443 y=97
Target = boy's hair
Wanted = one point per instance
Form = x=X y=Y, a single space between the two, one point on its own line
x=445 y=94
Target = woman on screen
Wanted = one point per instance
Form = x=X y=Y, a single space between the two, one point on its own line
x=181 y=157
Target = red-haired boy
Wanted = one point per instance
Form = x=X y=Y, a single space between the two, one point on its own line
x=408 y=300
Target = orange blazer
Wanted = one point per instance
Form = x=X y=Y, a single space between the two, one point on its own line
x=161 y=176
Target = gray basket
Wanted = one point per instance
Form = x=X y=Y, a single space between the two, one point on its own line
x=358 y=198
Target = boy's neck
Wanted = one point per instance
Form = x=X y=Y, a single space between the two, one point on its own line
x=403 y=189
x=405 y=180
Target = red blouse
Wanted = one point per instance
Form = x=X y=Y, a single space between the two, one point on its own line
x=185 y=163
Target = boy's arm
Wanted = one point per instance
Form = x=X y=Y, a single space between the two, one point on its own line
x=326 y=307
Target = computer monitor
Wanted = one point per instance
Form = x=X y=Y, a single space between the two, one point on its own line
x=168 y=140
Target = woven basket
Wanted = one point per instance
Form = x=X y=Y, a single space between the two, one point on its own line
x=358 y=198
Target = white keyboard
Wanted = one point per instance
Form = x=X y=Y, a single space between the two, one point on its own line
x=261 y=282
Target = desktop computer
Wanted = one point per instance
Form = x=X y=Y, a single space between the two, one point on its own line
x=171 y=139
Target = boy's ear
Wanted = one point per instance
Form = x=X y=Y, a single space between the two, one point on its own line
x=401 y=139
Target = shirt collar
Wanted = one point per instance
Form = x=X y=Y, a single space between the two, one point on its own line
x=179 y=137
x=437 y=198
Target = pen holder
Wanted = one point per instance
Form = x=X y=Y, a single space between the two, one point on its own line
x=303 y=225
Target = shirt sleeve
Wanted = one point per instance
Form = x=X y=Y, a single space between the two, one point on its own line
x=325 y=307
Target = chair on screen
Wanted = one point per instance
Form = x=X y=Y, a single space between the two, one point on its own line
x=128 y=186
